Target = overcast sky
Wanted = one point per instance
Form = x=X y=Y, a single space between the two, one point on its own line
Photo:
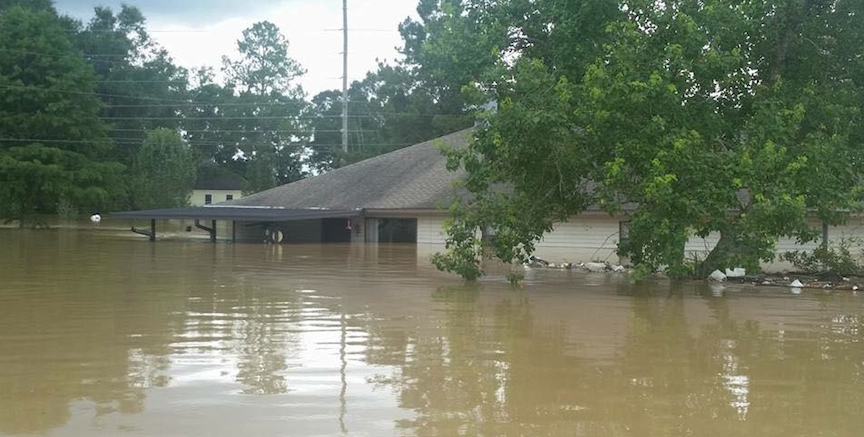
x=199 y=32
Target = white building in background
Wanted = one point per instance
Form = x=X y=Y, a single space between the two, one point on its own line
x=216 y=189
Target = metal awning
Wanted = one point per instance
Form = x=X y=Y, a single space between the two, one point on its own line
x=237 y=213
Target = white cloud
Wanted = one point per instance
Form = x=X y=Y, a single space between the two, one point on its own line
x=311 y=26
x=190 y=11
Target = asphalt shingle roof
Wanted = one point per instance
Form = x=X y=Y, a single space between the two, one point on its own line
x=415 y=177
x=219 y=182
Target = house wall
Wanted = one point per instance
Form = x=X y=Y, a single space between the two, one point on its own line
x=219 y=196
x=360 y=226
x=430 y=230
x=587 y=237
x=595 y=236
x=853 y=228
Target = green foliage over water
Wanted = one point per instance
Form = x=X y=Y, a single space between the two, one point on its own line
x=742 y=119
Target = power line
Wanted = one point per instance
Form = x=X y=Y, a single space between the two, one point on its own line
x=287 y=118
x=129 y=141
x=37 y=88
x=138 y=81
x=275 y=117
x=217 y=131
x=294 y=103
x=205 y=31
x=176 y=103
x=89 y=57
x=196 y=104
x=359 y=30
x=80 y=56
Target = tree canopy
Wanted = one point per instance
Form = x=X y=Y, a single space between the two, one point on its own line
x=163 y=172
x=250 y=117
x=138 y=82
x=735 y=118
x=53 y=144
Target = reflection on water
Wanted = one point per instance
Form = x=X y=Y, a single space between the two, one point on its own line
x=101 y=335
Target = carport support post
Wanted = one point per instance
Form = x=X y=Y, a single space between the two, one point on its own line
x=233 y=231
x=153 y=230
x=211 y=230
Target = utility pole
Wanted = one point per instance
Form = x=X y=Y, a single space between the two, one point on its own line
x=345 y=76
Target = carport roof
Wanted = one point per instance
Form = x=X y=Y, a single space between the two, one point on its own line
x=239 y=213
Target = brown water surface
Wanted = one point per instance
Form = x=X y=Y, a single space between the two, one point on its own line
x=108 y=336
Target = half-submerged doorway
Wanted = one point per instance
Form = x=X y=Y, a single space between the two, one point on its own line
x=391 y=230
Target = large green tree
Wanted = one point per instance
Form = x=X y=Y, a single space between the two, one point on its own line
x=141 y=86
x=53 y=144
x=266 y=113
x=163 y=172
x=737 y=118
x=47 y=5
x=213 y=136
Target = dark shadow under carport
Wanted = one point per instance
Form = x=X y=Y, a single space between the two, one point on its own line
x=230 y=213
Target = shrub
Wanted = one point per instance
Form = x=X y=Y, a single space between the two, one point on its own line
x=834 y=259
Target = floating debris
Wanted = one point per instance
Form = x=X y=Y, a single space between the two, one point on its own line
x=717 y=276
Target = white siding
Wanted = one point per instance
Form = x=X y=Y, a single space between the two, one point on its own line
x=854 y=228
x=430 y=230
x=360 y=229
x=219 y=196
x=698 y=247
x=584 y=238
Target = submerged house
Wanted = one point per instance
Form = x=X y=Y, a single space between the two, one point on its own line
x=399 y=197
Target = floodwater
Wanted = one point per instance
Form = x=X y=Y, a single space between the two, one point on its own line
x=103 y=334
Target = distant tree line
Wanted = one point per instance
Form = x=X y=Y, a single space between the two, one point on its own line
x=97 y=116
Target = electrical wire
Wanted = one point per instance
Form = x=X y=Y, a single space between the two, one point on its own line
x=148 y=31
x=176 y=103
x=216 y=131
x=131 y=141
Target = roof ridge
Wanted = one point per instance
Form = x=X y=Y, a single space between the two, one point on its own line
x=411 y=177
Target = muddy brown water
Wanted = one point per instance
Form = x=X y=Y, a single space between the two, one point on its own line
x=103 y=334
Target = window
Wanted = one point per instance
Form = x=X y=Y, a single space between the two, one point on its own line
x=623 y=232
x=208 y=199
x=229 y=197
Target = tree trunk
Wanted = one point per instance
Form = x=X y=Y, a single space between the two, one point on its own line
x=717 y=258
x=788 y=33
